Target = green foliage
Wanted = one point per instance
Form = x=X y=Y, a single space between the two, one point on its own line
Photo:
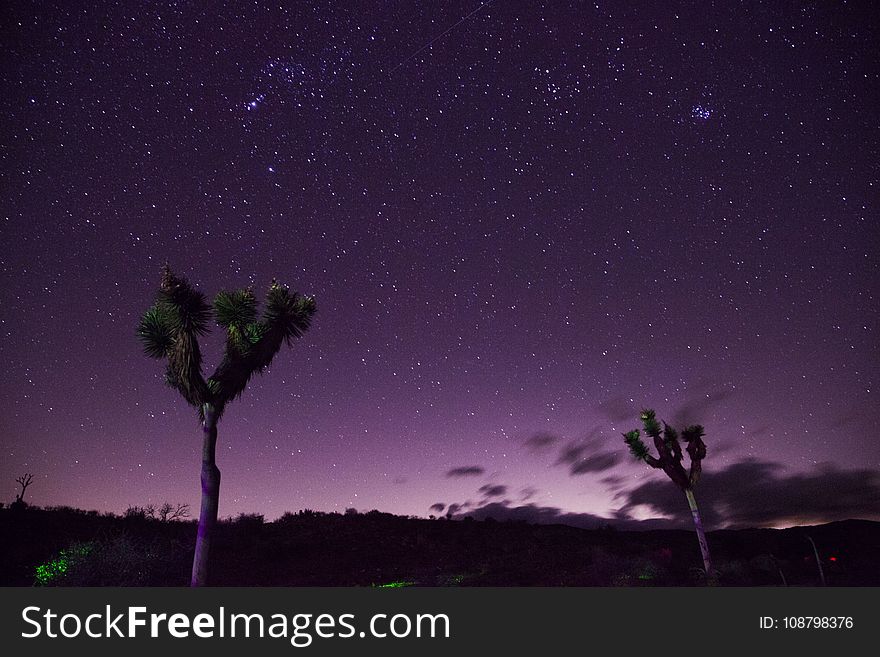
x=289 y=314
x=251 y=348
x=636 y=446
x=170 y=329
x=237 y=308
x=55 y=570
x=254 y=332
x=649 y=421
x=156 y=331
x=51 y=570
x=394 y=585
x=189 y=309
x=117 y=560
x=693 y=432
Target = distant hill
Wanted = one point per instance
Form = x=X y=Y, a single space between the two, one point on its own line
x=64 y=546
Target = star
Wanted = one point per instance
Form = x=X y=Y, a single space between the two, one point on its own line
x=701 y=113
x=255 y=102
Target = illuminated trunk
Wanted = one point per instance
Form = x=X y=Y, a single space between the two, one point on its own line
x=701 y=535
x=210 y=499
x=818 y=561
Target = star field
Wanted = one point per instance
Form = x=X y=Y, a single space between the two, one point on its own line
x=529 y=220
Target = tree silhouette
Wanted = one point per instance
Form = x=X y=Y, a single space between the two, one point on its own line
x=669 y=460
x=24 y=481
x=168 y=512
x=170 y=330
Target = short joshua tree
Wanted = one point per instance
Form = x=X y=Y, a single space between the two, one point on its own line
x=669 y=456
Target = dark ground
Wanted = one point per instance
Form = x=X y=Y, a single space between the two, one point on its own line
x=79 y=548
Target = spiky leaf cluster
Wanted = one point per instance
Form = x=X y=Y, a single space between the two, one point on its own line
x=636 y=446
x=237 y=313
x=251 y=345
x=670 y=440
x=291 y=313
x=188 y=308
x=649 y=421
x=696 y=449
x=237 y=308
x=156 y=331
x=692 y=433
x=170 y=328
x=669 y=452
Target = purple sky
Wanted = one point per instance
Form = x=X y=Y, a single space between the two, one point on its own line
x=518 y=236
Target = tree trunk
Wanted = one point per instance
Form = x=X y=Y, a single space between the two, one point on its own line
x=701 y=535
x=210 y=499
x=818 y=561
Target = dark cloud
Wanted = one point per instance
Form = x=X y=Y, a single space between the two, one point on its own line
x=528 y=493
x=541 y=441
x=535 y=514
x=846 y=419
x=493 y=490
x=589 y=456
x=613 y=481
x=439 y=507
x=720 y=447
x=596 y=463
x=571 y=453
x=466 y=471
x=548 y=515
x=748 y=494
x=695 y=410
x=452 y=509
x=618 y=409
x=760 y=494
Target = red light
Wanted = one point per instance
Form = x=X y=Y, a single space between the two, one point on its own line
x=832 y=558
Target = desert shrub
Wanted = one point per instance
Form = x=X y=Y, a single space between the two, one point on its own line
x=734 y=572
x=120 y=560
x=57 y=569
x=249 y=521
x=140 y=512
x=637 y=572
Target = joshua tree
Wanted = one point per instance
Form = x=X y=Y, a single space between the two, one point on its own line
x=170 y=330
x=24 y=481
x=669 y=460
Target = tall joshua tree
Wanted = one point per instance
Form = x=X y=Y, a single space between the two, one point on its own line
x=170 y=329
x=669 y=456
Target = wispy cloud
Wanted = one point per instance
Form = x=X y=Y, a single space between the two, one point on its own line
x=493 y=490
x=466 y=471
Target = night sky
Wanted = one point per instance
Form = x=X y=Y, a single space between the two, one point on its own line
x=522 y=223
